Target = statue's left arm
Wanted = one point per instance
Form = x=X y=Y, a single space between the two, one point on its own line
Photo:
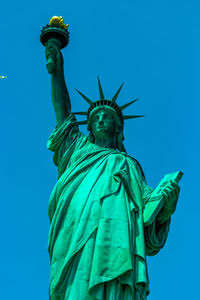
x=171 y=194
x=156 y=232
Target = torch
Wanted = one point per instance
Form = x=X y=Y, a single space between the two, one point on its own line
x=57 y=32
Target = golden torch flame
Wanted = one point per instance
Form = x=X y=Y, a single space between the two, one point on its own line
x=58 y=21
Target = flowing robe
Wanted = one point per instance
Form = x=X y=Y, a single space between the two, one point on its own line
x=97 y=240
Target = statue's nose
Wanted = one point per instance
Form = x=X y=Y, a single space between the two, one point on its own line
x=101 y=119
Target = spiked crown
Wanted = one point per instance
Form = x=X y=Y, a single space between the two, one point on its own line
x=109 y=104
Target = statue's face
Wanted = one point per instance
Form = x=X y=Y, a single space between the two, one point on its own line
x=103 y=124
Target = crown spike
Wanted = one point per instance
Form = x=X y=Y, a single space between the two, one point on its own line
x=127 y=104
x=114 y=98
x=86 y=98
x=82 y=113
x=132 y=117
x=100 y=89
x=82 y=122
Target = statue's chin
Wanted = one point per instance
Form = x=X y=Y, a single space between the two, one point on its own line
x=101 y=134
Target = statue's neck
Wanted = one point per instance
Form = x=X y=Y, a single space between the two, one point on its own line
x=106 y=142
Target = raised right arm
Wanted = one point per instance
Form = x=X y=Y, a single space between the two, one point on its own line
x=59 y=92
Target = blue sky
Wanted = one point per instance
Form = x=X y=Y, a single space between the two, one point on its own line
x=154 y=47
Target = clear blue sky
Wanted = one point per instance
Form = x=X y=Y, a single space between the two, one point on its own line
x=154 y=46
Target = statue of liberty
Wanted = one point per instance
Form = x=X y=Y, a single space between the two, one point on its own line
x=104 y=217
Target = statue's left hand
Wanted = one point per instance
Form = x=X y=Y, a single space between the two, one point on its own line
x=171 y=193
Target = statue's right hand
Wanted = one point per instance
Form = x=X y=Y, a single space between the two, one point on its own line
x=54 y=57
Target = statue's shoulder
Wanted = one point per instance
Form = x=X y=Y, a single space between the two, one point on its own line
x=137 y=165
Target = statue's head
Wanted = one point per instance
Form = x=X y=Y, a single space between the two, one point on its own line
x=103 y=122
x=105 y=118
x=105 y=114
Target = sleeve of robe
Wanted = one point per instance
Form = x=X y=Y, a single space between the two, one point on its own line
x=156 y=233
x=63 y=141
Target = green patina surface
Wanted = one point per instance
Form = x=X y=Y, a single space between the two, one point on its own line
x=104 y=217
